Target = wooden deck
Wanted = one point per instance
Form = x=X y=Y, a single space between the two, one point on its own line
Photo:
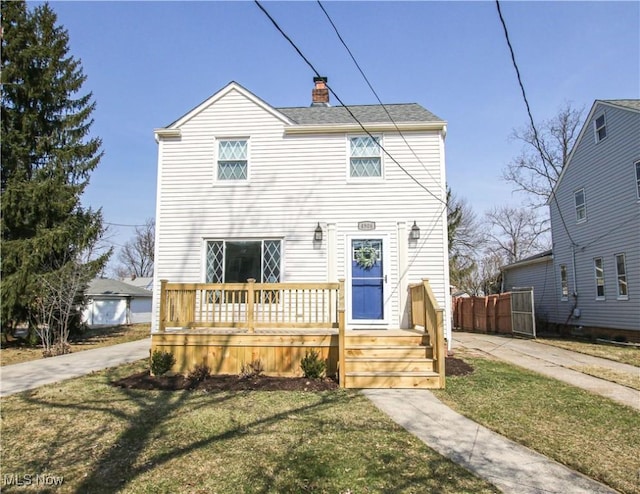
x=278 y=324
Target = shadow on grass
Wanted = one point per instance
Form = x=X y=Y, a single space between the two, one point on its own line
x=144 y=444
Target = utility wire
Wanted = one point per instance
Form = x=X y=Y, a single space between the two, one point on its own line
x=374 y=91
x=533 y=125
x=365 y=130
x=121 y=224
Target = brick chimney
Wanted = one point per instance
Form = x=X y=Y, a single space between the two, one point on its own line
x=320 y=93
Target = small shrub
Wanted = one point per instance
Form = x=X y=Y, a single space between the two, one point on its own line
x=161 y=362
x=312 y=366
x=255 y=368
x=199 y=373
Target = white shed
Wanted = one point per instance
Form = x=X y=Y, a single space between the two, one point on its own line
x=111 y=302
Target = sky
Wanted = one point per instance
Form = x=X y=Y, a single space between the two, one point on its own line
x=149 y=63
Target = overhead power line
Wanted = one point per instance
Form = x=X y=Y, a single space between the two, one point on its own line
x=365 y=130
x=335 y=28
x=533 y=125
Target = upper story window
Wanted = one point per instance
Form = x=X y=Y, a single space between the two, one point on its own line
x=638 y=178
x=621 y=270
x=564 y=283
x=365 y=159
x=599 y=272
x=600 y=128
x=233 y=159
x=581 y=205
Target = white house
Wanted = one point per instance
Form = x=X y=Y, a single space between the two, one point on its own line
x=306 y=194
x=112 y=302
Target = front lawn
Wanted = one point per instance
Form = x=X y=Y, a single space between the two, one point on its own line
x=106 y=439
x=586 y=432
x=16 y=351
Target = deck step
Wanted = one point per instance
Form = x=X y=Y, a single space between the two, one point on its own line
x=389 y=364
x=387 y=380
x=388 y=351
x=385 y=340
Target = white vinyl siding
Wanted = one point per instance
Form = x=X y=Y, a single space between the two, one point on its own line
x=600 y=127
x=621 y=271
x=598 y=267
x=581 y=206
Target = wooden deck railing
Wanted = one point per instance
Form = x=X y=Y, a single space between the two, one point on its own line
x=426 y=313
x=249 y=305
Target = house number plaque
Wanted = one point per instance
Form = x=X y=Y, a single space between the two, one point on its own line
x=367 y=225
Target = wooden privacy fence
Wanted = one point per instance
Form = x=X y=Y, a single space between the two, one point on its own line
x=490 y=314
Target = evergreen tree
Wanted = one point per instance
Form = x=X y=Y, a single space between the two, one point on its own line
x=47 y=155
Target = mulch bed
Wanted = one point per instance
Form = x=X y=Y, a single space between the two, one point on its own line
x=142 y=380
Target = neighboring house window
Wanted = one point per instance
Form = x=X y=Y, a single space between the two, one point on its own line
x=564 y=282
x=581 y=206
x=600 y=128
x=232 y=159
x=638 y=178
x=621 y=270
x=599 y=272
x=365 y=157
x=234 y=261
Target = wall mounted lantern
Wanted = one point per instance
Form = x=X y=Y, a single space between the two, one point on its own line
x=317 y=234
x=415 y=232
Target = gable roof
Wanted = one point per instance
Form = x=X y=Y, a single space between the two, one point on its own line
x=109 y=287
x=318 y=116
x=547 y=255
x=623 y=104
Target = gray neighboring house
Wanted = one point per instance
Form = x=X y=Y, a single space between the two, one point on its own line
x=537 y=272
x=595 y=226
x=112 y=302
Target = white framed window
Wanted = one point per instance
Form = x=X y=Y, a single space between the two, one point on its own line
x=598 y=266
x=235 y=261
x=232 y=160
x=365 y=157
x=600 y=128
x=621 y=271
x=637 y=165
x=564 y=283
x=581 y=205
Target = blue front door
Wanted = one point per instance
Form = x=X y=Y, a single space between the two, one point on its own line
x=367 y=279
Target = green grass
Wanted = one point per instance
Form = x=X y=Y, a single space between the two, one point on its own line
x=586 y=432
x=626 y=355
x=16 y=351
x=106 y=439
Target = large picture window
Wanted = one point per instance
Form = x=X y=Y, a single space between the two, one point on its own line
x=235 y=261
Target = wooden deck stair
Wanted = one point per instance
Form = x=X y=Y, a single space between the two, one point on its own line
x=385 y=359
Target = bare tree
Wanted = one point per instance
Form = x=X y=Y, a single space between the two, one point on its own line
x=465 y=240
x=59 y=303
x=516 y=233
x=536 y=170
x=136 y=256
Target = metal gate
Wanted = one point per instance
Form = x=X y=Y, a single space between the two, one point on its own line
x=523 y=317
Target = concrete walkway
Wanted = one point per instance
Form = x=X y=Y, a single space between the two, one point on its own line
x=507 y=465
x=29 y=375
x=553 y=362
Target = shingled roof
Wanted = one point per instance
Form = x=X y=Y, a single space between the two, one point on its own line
x=109 y=287
x=320 y=115
x=634 y=104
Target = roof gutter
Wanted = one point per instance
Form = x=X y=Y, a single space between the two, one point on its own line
x=371 y=127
